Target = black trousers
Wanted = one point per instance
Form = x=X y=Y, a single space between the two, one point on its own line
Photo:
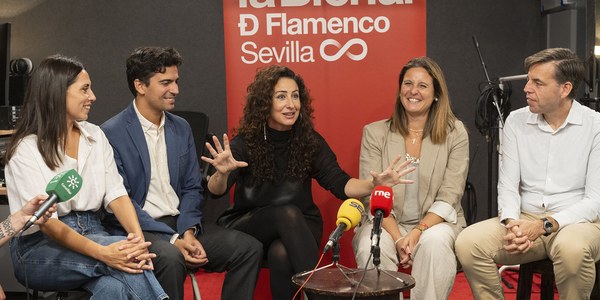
x=228 y=250
x=290 y=242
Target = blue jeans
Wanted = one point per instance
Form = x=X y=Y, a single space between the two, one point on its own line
x=45 y=265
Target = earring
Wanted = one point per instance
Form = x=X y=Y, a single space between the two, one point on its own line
x=436 y=99
x=265 y=131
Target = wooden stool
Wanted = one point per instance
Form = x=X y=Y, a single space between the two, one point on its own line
x=546 y=270
x=337 y=284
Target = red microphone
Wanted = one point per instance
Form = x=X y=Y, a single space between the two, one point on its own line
x=382 y=201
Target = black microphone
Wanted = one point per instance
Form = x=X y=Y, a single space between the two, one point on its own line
x=348 y=216
x=61 y=188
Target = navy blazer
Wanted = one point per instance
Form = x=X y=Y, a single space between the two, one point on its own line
x=125 y=134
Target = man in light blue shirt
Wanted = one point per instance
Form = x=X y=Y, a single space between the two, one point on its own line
x=548 y=186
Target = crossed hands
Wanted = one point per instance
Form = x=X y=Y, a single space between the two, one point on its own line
x=192 y=250
x=393 y=174
x=222 y=160
x=130 y=255
x=520 y=235
x=405 y=247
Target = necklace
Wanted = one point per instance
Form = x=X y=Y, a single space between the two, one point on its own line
x=417 y=134
x=413 y=160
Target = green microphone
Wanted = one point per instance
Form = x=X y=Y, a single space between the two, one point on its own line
x=61 y=188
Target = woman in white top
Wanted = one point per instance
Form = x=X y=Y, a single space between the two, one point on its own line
x=72 y=249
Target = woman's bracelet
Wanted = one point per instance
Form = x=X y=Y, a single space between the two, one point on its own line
x=421 y=227
x=396 y=241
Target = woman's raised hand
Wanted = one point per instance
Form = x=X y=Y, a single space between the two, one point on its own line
x=222 y=158
x=393 y=174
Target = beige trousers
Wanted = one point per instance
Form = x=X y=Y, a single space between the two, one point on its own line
x=574 y=250
x=434 y=262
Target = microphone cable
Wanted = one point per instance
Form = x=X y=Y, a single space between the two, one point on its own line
x=493 y=92
x=362 y=278
x=484 y=114
x=487 y=117
x=309 y=276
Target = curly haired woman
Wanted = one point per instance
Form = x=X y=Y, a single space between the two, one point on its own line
x=272 y=161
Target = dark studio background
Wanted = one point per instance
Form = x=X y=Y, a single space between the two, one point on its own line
x=102 y=34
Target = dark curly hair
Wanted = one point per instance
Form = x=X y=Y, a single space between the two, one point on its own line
x=303 y=141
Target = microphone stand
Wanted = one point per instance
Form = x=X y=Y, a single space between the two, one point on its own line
x=377 y=261
x=375 y=237
x=335 y=256
x=491 y=132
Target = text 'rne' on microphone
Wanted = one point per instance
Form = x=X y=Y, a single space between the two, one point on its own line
x=381 y=203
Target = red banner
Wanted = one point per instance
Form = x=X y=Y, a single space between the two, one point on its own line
x=349 y=53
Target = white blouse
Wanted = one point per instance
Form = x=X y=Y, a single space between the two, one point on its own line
x=27 y=175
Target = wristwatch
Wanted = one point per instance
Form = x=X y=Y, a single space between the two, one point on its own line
x=547 y=226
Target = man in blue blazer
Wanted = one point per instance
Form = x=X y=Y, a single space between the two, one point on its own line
x=156 y=156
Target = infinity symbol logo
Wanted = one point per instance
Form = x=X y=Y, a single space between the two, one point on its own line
x=344 y=49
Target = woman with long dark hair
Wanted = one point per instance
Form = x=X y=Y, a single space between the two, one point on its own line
x=52 y=136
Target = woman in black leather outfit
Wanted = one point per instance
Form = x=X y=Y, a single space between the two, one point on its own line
x=272 y=161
